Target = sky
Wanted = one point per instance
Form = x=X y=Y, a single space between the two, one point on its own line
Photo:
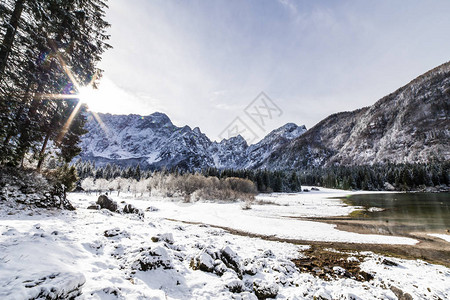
x=204 y=62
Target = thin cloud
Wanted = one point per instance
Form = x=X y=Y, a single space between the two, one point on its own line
x=202 y=62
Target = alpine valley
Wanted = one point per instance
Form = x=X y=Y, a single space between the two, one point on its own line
x=410 y=125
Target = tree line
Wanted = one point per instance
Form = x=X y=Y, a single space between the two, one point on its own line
x=265 y=181
x=48 y=49
x=380 y=176
x=376 y=177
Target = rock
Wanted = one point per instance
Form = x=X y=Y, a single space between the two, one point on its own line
x=250 y=269
x=268 y=254
x=400 y=294
x=152 y=208
x=314 y=189
x=389 y=263
x=153 y=259
x=112 y=291
x=203 y=261
x=265 y=290
x=165 y=237
x=130 y=209
x=235 y=286
x=107 y=203
x=338 y=270
x=179 y=227
x=220 y=267
x=57 y=285
x=231 y=260
x=94 y=206
x=116 y=232
x=389 y=187
x=112 y=232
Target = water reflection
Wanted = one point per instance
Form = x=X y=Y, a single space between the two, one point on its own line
x=428 y=211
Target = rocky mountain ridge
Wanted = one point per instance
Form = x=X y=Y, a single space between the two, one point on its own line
x=409 y=125
x=154 y=142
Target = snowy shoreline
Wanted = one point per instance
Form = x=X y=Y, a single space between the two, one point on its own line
x=274 y=217
x=97 y=254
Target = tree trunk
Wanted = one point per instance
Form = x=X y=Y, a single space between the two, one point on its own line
x=5 y=48
x=42 y=152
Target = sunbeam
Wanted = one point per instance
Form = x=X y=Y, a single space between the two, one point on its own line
x=84 y=94
x=68 y=122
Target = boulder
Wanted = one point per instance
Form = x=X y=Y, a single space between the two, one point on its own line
x=231 y=260
x=235 y=286
x=389 y=263
x=251 y=269
x=219 y=267
x=203 y=261
x=389 y=187
x=57 y=285
x=265 y=290
x=401 y=295
x=130 y=209
x=150 y=259
x=116 y=232
x=107 y=203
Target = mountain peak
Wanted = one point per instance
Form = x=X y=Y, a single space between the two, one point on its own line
x=288 y=131
x=160 y=118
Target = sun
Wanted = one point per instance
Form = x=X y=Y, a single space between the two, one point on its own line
x=88 y=95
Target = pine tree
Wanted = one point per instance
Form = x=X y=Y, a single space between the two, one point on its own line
x=44 y=39
x=137 y=173
x=294 y=183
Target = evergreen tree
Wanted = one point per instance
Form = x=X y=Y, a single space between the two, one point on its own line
x=43 y=42
x=137 y=173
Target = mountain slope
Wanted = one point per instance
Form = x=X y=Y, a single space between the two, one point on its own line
x=410 y=125
x=154 y=142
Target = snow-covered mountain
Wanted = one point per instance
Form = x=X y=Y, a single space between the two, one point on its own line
x=410 y=125
x=154 y=142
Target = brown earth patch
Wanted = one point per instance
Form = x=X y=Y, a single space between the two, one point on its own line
x=330 y=264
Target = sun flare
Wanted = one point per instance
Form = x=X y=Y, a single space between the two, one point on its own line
x=95 y=99
x=88 y=95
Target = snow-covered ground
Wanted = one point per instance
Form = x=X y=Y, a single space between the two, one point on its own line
x=445 y=237
x=275 y=217
x=105 y=255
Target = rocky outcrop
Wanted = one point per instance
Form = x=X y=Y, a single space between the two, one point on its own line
x=30 y=188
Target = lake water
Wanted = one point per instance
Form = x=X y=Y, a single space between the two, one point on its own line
x=425 y=211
